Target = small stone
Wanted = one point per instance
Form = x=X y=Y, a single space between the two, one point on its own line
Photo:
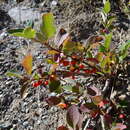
x=53 y=3
x=128 y=87
x=122 y=97
x=25 y=124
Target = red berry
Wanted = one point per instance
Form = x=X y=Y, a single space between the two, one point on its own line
x=94 y=70
x=73 y=77
x=121 y=116
x=65 y=63
x=35 y=84
x=87 y=71
x=73 y=62
x=46 y=83
x=81 y=66
x=38 y=83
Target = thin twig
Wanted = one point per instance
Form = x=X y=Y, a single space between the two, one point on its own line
x=86 y=125
x=102 y=122
x=106 y=86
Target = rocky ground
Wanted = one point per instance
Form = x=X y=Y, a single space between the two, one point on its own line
x=80 y=19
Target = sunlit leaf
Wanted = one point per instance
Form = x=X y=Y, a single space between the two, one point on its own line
x=50 y=61
x=123 y=50
x=27 y=63
x=97 y=99
x=12 y=74
x=67 y=88
x=36 y=76
x=105 y=61
x=27 y=33
x=52 y=52
x=111 y=19
x=99 y=56
x=48 y=27
x=107 y=7
x=107 y=42
x=70 y=47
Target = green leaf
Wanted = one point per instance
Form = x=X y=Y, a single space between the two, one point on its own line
x=67 y=88
x=12 y=74
x=111 y=19
x=124 y=46
x=36 y=76
x=40 y=37
x=107 y=7
x=107 y=43
x=48 y=27
x=123 y=50
x=26 y=33
x=104 y=62
x=50 y=61
x=54 y=86
x=15 y=31
x=102 y=48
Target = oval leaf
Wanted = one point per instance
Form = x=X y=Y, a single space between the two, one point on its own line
x=47 y=27
x=53 y=100
x=73 y=116
x=27 y=63
x=107 y=7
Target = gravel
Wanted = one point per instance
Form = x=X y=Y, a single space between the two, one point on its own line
x=32 y=113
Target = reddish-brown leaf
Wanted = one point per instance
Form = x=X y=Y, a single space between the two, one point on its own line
x=62 y=128
x=97 y=99
x=73 y=116
x=53 y=100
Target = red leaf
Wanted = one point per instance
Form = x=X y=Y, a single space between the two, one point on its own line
x=93 y=60
x=73 y=116
x=62 y=105
x=62 y=128
x=103 y=103
x=94 y=113
x=108 y=119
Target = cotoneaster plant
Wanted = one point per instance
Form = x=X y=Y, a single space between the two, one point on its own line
x=72 y=60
